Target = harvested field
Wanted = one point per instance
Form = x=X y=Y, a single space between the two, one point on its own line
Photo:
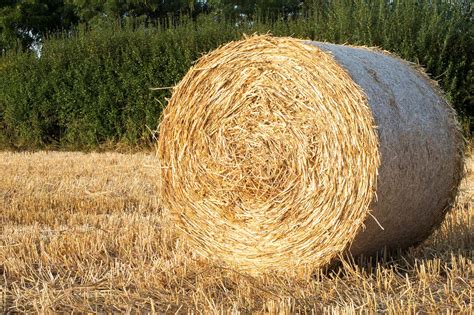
x=85 y=232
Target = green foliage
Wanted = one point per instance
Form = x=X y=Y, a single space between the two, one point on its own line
x=92 y=86
x=24 y=22
x=90 y=10
x=248 y=8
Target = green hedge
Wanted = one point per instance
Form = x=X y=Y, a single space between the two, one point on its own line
x=92 y=87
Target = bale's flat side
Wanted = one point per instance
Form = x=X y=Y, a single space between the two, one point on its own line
x=268 y=156
x=420 y=144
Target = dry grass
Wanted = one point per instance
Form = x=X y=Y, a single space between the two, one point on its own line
x=84 y=232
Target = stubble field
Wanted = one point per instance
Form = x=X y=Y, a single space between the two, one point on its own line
x=86 y=233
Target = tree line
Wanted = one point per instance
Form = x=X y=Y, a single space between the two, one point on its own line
x=23 y=23
x=90 y=85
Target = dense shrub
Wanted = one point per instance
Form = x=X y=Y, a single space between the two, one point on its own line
x=92 y=86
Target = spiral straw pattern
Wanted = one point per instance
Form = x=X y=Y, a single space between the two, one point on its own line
x=269 y=155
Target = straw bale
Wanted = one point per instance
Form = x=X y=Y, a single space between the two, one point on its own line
x=421 y=148
x=271 y=149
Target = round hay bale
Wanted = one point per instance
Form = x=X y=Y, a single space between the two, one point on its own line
x=277 y=156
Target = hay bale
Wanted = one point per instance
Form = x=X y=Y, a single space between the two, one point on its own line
x=421 y=148
x=275 y=155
